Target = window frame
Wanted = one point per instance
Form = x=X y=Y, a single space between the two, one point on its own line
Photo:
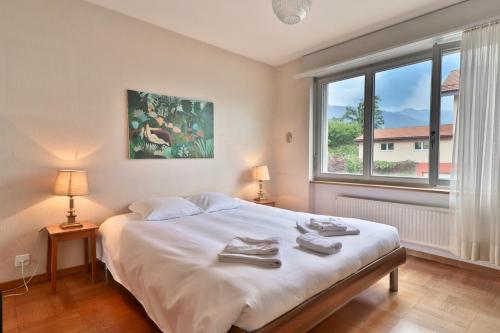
x=422 y=146
x=386 y=146
x=320 y=123
x=440 y=50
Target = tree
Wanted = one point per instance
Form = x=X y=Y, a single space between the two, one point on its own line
x=356 y=115
x=341 y=133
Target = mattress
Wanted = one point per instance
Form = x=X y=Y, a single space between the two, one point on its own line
x=171 y=266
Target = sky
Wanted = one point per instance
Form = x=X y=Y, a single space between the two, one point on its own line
x=398 y=88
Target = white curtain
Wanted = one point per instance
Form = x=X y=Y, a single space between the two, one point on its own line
x=475 y=183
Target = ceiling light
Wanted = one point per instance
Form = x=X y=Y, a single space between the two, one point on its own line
x=291 y=11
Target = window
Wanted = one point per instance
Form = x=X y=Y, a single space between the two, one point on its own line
x=450 y=77
x=401 y=110
x=422 y=145
x=387 y=146
x=390 y=122
x=345 y=115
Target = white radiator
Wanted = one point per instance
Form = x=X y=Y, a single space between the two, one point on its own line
x=422 y=225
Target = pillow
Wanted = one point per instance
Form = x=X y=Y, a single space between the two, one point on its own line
x=213 y=201
x=165 y=208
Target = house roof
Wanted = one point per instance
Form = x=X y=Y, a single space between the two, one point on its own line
x=450 y=85
x=408 y=133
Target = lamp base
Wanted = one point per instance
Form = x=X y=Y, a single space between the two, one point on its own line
x=260 y=194
x=70 y=225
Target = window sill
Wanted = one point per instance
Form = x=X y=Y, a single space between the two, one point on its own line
x=438 y=190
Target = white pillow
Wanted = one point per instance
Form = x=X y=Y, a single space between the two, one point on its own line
x=166 y=208
x=213 y=201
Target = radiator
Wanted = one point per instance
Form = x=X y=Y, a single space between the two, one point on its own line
x=422 y=225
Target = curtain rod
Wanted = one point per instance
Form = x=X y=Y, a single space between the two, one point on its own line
x=483 y=25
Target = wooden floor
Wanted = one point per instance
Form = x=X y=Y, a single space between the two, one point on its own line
x=432 y=297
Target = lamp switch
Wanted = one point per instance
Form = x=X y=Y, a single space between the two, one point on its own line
x=22 y=259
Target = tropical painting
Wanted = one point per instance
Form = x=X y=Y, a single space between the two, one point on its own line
x=169 y=127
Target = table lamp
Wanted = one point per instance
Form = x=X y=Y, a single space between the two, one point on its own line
x=261 y=174
x=71 y=183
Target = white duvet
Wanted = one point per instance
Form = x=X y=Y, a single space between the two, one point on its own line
x=171 y=266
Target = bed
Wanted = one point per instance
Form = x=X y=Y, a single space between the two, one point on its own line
x=171 y=268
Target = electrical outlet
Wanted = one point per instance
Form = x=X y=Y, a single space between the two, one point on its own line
x=22 y=258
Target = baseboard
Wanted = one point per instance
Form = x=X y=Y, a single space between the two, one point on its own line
x=484 y=270
x=44 y=277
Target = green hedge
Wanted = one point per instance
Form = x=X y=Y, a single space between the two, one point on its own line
x=401 y=167
x=352 y=164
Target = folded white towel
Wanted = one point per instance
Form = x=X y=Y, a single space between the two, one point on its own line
x=349 y=231
x=304 y=228
x=247 y=245
x=317 y=243
x=328 y=223
x=269 y=261
x=271 y=240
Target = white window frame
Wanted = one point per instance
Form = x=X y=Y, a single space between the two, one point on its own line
x=387 y=146
x=320 y=123
x=422 y=146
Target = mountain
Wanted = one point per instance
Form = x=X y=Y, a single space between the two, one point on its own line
x=412 y=117
x=419 y=115
x=405 y=118
x=397 y=120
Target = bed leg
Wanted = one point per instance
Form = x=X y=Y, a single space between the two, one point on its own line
x=106 y=274
x=393 y=280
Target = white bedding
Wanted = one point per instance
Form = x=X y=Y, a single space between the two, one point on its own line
x=171 y=266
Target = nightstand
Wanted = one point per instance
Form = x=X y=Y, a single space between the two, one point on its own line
x=265 y=202
x=56 y=234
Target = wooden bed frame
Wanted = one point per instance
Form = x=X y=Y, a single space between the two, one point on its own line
x=313 y=311
x=306 y=315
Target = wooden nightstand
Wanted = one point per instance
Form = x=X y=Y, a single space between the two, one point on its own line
x=56 y=234
x=265 y=202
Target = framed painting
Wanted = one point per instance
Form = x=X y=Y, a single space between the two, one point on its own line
x=165 y=127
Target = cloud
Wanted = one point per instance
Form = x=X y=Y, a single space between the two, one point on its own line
x=346 y=92
x=404 y=87
x=420 y=97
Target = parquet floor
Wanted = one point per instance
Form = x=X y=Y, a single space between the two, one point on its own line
x=432 y=297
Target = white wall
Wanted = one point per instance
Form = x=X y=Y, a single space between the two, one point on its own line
x=65 y=67
x=405 y=150
x=291 y=160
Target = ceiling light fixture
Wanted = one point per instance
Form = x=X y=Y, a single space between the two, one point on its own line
x=291 y=11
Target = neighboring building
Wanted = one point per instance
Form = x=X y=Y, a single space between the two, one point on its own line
x=412 y=143
x=451 y=86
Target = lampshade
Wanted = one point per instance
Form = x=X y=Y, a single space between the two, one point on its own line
x=262 y=173
x=71 y=183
